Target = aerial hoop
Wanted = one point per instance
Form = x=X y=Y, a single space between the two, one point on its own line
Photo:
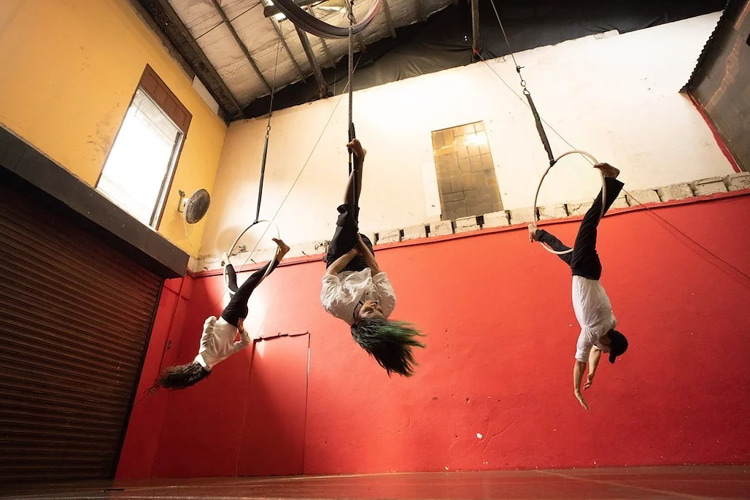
x=271 y=224
x=539 y=187
x=320 y=28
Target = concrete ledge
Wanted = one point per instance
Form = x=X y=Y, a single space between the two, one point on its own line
x=642 y=196
x=675 y=192
x=556 y=211
x=735 y=182
x=496 y=219
x=521 y=215
x=33 y=175
x=712 y=185
x=307 y=249
x=466 y=224
x=579 y=207
x=390 y=236
x=441 y=228
x=620 y=202
x=502 y=218
x=414 y=232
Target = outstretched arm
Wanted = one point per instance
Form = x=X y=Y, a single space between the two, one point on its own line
x=578 y=370
x=594 y=356
x=340 y=263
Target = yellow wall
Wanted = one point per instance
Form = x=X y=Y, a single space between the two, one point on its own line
x=68 y=70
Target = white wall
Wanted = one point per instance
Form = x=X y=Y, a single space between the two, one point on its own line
x=616 y=97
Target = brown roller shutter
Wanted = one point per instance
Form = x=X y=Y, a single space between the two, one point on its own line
x=75 y=316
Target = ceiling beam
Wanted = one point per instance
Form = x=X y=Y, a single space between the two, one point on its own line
x=322 y=85
x=389 y=18
x=326 y=49
x=175 y=30
x=475 y=39
x=242 y=45
x=280 y=34
x=420 y=10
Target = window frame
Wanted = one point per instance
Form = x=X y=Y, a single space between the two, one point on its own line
x=445 y=180
x=155 y=89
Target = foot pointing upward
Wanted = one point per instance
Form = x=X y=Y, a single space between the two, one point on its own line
x=283 y=248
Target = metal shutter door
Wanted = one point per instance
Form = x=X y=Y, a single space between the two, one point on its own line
x=75 y=316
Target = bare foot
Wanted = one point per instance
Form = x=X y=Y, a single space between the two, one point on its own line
x=532 y=233
x=608 y=170
x=283 y=248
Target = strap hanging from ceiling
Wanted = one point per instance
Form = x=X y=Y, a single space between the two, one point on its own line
x=352 y=133
x=527 y=93
x=268 y=134
x=320 y=28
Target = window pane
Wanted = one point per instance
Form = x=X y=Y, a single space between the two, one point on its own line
x=141 y=158
x=465 y=172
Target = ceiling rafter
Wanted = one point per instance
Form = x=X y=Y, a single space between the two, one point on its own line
x=322 y=85
x=280 y=34
x=242 y=45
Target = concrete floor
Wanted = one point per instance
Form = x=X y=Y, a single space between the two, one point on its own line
x=637 y=482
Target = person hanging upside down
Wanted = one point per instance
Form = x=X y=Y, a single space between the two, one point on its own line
x=592 y=307
x=218 y=339
x=358 y=292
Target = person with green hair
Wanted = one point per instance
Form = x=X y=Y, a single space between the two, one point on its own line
x=358 y=292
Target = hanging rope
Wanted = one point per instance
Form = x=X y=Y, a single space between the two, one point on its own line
x=526 y=92
x=268 y=134
x=352 y=133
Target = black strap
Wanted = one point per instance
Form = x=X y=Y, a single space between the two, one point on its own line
x=540 y=127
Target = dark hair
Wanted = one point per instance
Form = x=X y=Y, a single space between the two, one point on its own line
x=389 y=342
x=182 y=376
x=618 y=344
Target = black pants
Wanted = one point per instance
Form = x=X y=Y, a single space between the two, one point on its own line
x=237 y=307
x=345 y=238
x=583 y=260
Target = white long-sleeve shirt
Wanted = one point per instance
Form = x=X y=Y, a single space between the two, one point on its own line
x=217 y=342
x=341 y=293
x=593 y=312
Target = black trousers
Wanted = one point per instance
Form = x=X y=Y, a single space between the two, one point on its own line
x=237 y=307
x=583 y=260
x=345 y=238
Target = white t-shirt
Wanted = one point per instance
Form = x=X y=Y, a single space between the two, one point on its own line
x=593 y=312
x=217 y=342
x=341 y=293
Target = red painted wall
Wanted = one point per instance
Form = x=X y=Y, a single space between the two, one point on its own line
x=493 y=389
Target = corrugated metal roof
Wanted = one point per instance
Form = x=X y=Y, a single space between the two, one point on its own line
x=258 y=34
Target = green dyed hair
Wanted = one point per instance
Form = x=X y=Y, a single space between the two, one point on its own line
x=389 y=342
